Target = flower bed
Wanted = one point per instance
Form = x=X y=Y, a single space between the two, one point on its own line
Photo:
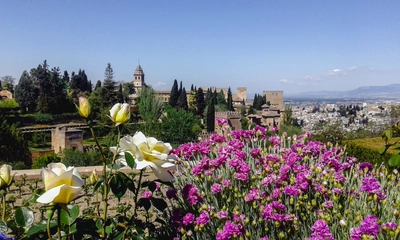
x=251 y=186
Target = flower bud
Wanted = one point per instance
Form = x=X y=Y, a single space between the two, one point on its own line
x=84 y=107
x=93 y=178
x=5 y=176
x=120 y=113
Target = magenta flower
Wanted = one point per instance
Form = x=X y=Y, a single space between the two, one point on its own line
x=221 y=121
x=291 y=191
x=216 y=188
x=191 y=194
x=370 y=185
x=188 y=219
x=226 y=183
x=171 y=193
x=369 y=226
x=222 y=214
x=320 y=231
x=204 y=218
x=147 y=194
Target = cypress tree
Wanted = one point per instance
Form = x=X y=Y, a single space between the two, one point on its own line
x=200 y=102
x=120 y=95
x=182 y=101
x=230 y=100
x=174 y=95
x=211 y=117
x=25 y=93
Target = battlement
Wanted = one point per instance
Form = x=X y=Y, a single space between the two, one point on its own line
x=227 y=114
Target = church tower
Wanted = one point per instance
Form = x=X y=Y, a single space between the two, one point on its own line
x=138 y=77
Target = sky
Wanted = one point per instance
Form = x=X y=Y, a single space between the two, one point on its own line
x=294 y=46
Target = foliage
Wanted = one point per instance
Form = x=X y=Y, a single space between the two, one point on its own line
x=387 y=136
x=251 y=186
x=174 y=95
x=179 y=126
x=329 y=131
x=7 y=105
x=43 y=117
x=258 y=101
x=288 y=115
x=229 y=101
x=200 y=102
x=108 y=95
x=290 y=130
x=39 y=139
x=42 y=161
x=363 y=151
x=25 y=93
x=76 y=158
x=13 y=147
x=211 y=117
x=182 y=102
x=150 y=110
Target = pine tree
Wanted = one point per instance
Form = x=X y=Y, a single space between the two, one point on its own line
x=174 y=95
x=230 y=100
x=25 y=93
x=108 y=93
x=42 y=78
x=98 y=85
x=200 y=102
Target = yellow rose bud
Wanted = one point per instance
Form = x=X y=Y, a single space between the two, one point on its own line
x=120 y=113
x=93 y=177
x=84 y=107
x=5 y=176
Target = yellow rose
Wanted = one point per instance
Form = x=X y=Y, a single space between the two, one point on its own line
x=120 y=113
x=62 y=184
x=84 y=107
x=148 y=151
x=5 y=176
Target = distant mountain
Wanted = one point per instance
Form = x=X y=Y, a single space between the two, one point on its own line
x=391 y=91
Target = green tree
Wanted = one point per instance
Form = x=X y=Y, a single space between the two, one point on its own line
x=13 y=147
x=150 y=110
x=329 y=131
x=174 y=95
x=120 y=95
x=42 y=79
x=192 y=101
x=7 y=83
x=25 y=93
x=288 y=116
x=182 y=100
x=108 y=93
x=221 y=98
x=200 y=103
x=230 y=100
x=179 y=126
x=211 y=116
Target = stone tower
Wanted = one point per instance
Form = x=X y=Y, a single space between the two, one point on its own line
x=275 y=98
x=138 y=77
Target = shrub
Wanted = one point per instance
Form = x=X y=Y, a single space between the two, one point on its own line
x=43 y=117
x=42 y=161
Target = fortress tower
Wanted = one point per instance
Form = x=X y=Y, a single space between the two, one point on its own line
x=138 y=77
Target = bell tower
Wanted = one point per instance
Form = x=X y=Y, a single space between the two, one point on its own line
x=138 y=77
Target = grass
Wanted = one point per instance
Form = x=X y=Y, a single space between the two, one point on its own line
x=375 y=144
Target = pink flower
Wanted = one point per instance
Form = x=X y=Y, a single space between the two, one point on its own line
x=147 y=194
x=204 y=218
x=188 y=219
x=226 y=183
x=222 y=214
x=216 y=188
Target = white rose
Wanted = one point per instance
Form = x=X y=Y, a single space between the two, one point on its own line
x=148 y=152
x=62 y=184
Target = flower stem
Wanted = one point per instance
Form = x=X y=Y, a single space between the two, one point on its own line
x=137 y=191
x=59 y=222
x=50 y=213
x=3 y=214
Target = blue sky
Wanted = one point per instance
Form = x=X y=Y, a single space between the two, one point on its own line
x=295 y=46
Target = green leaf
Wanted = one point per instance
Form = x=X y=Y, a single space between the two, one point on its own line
x=24 y=216
x=39 y=228
x=128 y=181
x=118 y=186
x=3 y=227
x=389 y=133
x=32 y=199
x=113 y=166
x=68 y=217
x=159 y=203
x=129 y=159
x=383 y=150
x=144 y=202
x=394 y=160
x=98 y=184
